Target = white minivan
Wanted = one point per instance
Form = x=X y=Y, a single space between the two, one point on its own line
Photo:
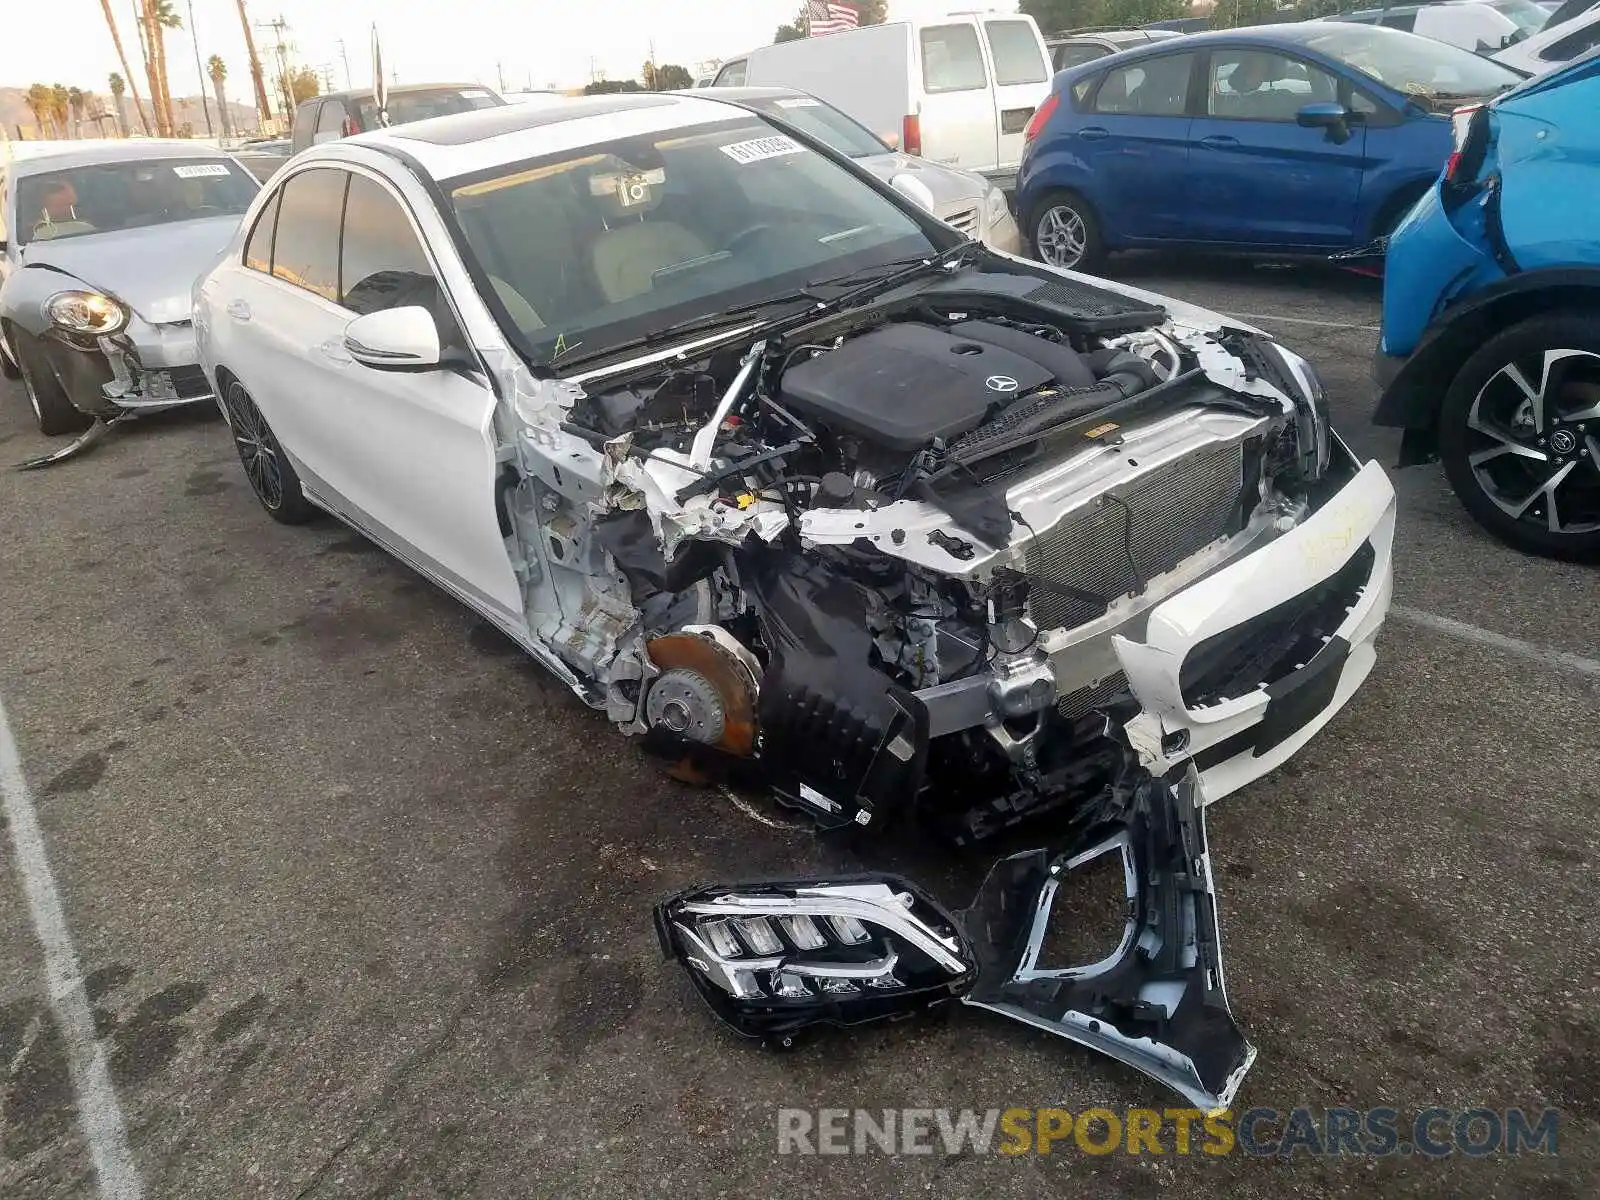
x=957 y=90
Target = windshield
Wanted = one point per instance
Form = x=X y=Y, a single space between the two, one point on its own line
x=827 y=125
x=1410 y=63
x=75 y=201
x=405 y=107
x=1527 y=16
x=614 y=240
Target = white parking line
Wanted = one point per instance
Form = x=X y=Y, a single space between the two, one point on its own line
x=1498 y=641
x=86 y=1060
x=1301 y=321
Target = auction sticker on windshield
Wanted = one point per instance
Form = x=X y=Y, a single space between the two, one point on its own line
x=200 y=171
x=800 y=102
x=759 y=148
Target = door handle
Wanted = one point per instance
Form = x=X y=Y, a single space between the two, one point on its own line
x=238 y=310
x=1219 y=141
x=1093 y=133
x=333 y=350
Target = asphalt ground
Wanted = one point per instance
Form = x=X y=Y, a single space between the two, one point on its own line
x=362 y=898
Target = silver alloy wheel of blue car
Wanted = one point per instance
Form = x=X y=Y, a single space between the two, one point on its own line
x=1061 y=237
x=1536 y=425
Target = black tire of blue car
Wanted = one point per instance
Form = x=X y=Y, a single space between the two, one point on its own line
x=55 y=413
x=272 y=477
x=1519 y=435
x=1064 y=232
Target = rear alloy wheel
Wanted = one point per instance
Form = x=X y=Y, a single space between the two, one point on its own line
x=1065 y=233
x=1520 y=436
x=271 y=477
x=55 y=413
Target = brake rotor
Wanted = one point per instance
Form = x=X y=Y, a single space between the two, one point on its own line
x=706 y=690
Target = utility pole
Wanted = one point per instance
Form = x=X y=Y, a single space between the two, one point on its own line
x=281 y=53
x=263 y=105
x=349 y=86
x=200 y=72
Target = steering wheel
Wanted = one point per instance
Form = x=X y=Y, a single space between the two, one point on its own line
x=761 y=228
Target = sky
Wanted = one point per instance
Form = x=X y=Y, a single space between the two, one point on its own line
x=65 y=41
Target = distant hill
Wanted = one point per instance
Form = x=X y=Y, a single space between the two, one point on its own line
x=17 y=118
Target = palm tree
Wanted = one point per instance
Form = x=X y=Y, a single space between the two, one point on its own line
x=39 y=102
x=60 y=106
x=118 y=87
x=116 y=40
x=153 y=17
x=218 y=71
x=76 y=101
x=164 y=17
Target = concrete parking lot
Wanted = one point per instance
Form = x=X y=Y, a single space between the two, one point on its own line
x=361 y=897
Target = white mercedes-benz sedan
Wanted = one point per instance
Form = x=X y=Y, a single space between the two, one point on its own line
x=793 y=481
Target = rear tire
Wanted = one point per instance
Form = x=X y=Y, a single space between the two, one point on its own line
x=55 y=413
x=271 y=476
x=1064 y=232
x=1518 y=441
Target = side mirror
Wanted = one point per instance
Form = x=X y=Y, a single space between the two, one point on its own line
x=397 y=339
x=1334 y=118
x=910 y=186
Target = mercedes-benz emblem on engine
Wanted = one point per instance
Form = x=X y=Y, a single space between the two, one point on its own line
x=1000 y=383
x=1561 y=441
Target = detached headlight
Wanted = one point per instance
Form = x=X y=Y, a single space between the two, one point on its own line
x=774 y=958
x=1311 y=407
x=88 y=313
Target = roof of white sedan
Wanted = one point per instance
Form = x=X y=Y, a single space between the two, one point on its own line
x=58 y=155
x=465 y=143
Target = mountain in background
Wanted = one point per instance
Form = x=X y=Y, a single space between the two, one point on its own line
x=14 y=113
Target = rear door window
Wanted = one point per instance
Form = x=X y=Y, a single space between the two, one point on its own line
x=305 y=249
x=1151 y=87
x=1015 y=52
x=952 y=60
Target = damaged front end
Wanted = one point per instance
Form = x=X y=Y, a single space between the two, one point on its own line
x=113 y=377
x=948 y=553
x=774 y=959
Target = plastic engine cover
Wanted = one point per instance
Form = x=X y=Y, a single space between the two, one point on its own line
x=903 y=385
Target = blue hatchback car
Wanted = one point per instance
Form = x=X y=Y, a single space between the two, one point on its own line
x=1282 y=139
x=1490 y=351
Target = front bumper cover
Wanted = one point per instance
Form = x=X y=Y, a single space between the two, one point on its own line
x=1340 y=557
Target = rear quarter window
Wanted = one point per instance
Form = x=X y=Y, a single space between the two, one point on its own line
x=1015 y=51
x=952 y=60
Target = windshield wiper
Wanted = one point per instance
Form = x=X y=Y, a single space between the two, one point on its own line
x=667 y=333
x=879 y=277
x=896 y=271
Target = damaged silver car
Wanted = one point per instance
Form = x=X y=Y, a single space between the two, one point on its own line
x=790 y=480
x=100 y=247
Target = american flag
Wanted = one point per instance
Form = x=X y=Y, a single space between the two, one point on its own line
x=824 y=17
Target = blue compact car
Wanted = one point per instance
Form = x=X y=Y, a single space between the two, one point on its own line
x=1282 y=139
x=1490 y=352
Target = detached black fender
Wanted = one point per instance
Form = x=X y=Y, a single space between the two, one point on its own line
x=1413 y=395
